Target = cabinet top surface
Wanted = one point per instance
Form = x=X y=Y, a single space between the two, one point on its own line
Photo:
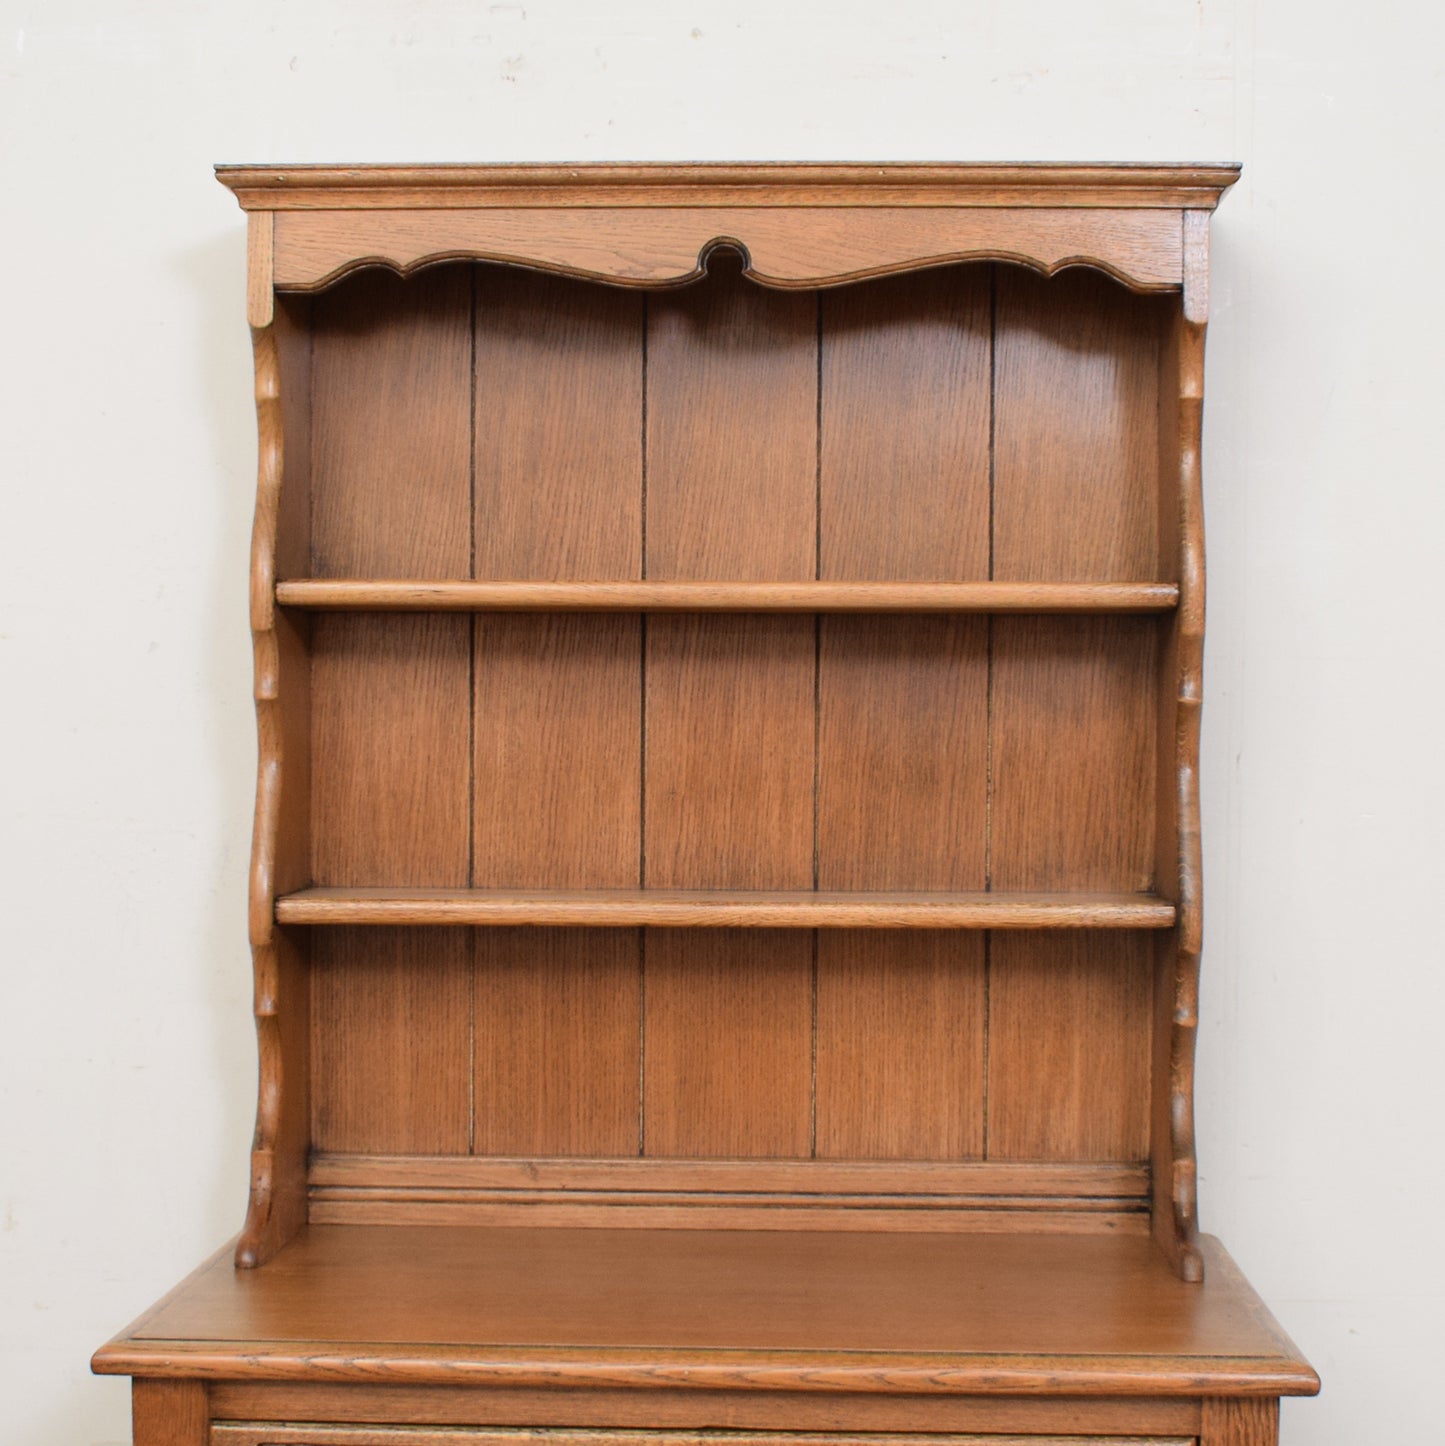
x=1126 y=185
x=817 y=1310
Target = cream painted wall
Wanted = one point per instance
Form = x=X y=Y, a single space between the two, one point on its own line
x=126 y=1076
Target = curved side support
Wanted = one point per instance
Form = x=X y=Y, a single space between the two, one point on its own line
x=1176 y=1209
x=825 y=246
x=278 y=1154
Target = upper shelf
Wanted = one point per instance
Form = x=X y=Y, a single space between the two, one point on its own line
x=382 y=595
x=724 y=908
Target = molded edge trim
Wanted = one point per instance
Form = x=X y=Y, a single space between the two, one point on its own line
x=1043 y=183
x=715 y=1370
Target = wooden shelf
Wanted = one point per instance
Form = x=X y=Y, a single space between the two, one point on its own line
x=906 y=1312
x=397 y=595
x=710 y=909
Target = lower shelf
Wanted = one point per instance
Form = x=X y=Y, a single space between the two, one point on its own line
x=725 y=908
x=1019 y=1314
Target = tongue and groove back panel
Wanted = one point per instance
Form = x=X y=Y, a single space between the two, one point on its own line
x=959 y=424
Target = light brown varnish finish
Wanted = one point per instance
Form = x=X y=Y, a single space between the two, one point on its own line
x=546 y=554
x=725 y=908
x=812 y=1311
x=235 y=1435
x=362 y=595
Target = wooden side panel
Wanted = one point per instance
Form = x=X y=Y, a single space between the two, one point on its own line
x=1069 y=1046
x=558 y=428
x=902 y=753
x=392 y=398
x=1074 y=740
x=727 y=1054
x=904 y=445
x=391 y=763
x=729 y=787
x=391 y=1041
x=558 y=1040
x=169 y=1413
x=1075 y=429
x=900 y=1046
x=558 y=744
x=1239 y=1422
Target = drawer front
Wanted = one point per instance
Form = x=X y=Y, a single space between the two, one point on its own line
x=257 y=1434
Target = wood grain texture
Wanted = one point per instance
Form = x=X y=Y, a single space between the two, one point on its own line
x=391 y=455
x=905 y=415
x=558 y=752
x=1075 y=430
x=731 y=432
x=391 y=1041
x=558 y=426
x=727 y=1054
x=246 y=1435
x=873 y=1179
x=398 y=595
x=729 y=747
x=722 y=908
x=1069 y=1047
x=902 y=753
x=773 y=1311
x=791 y=184
x=260 y=268
x=1179 y=855
x=900 y=1047
x=826 y=247
x=1073 y=753
x=280 y=839
x=391 y=750
x=700 y=1410
x=557 y=1032
x=169 y=1413
x=1227 y=1422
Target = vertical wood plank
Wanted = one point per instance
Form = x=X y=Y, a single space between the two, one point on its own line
x=1075 y=429
x=729 y=752
x=558 y=428
x=900 y=1045
x=1069 y=1046
x=391 y=1041
x=169 y=1413
x=904 y=445
x=293 y=522
x=558 y=769
x=903 y=728
x=558 y=1015
x=902 y=753
x=727 y=1061
x=558 y=711
x=391 y=401
x=1074 y=742
x=731 y=493
x=731 y=431
x=390 y=750
x=1239 y=1422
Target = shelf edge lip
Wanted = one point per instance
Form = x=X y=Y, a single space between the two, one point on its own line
x=465 y=595
x=823 y=1372
x=663 y=909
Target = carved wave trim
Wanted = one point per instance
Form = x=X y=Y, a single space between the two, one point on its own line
x=1177 y=1205
x=260 y=1214
x=668 y=246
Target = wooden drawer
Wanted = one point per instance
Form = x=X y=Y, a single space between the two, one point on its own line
x=254 y=1434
